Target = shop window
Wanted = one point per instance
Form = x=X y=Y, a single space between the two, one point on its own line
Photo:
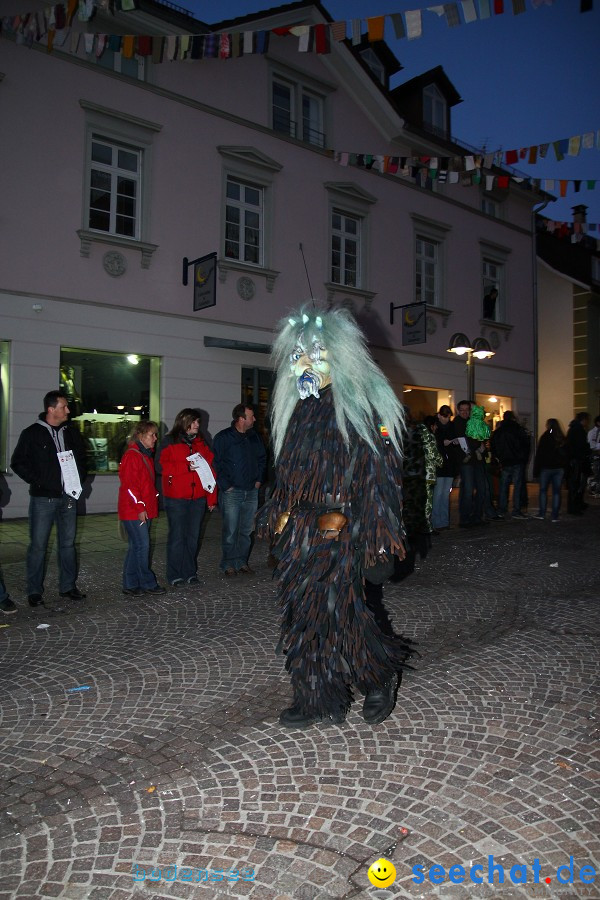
x=257 y=390
x=4 y=386
x=107 y=393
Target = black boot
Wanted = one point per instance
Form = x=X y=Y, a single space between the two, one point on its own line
x=379 y=703
x=294 y=717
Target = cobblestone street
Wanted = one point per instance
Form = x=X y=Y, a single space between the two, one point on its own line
x=173 y=756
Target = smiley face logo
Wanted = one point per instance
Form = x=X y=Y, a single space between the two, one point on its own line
x=382 y=873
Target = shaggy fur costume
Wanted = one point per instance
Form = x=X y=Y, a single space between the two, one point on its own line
x=329 y=635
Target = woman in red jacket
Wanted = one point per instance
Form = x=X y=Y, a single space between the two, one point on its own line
x=189 y=486
x=138 y=505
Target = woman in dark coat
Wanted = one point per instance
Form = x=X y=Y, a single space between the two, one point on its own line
x=549 y=467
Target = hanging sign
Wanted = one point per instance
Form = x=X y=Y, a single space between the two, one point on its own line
x=205 y=281
x=414 y=324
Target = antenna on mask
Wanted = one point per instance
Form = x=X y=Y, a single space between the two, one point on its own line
x=312 y=296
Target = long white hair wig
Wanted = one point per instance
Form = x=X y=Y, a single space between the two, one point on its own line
x=362 y=395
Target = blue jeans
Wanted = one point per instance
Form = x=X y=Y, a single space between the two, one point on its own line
x=239 y=509
x=185 y=518
x=136 y=569
x=510 y=474
x=43 y=513
x=440 y=514
x=3 y=591
x=554 y=477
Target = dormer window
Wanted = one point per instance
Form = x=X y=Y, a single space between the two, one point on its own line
x=375 y=64
x=434 y=110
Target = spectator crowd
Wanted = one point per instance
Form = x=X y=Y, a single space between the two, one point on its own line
x=441 y=454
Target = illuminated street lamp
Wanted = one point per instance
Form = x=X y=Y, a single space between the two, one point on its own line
x=480 y=348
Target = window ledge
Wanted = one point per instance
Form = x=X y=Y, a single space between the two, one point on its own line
x=234 y=265
x=88 y=238
x=492 y=331
x=439 y=311
x=351 y=294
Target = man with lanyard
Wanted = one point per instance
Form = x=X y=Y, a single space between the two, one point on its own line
x=240 y=463
x=50 y=457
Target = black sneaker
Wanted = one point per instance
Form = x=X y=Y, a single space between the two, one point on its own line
x=176 y=582
x=133 y=592
x=155 y=590
x=7 y=606
x=35 y=600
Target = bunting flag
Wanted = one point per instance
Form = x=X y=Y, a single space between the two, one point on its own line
x=53 y=21
x=565 y=147
x=468 y=170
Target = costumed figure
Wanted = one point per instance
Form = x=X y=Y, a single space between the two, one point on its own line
x=334 y=517
x=421 y=458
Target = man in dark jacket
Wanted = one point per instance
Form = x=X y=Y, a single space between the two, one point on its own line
x=50 y=457
x=445 y=475
x=578 y=463
x=511 y=446
x=240 y=459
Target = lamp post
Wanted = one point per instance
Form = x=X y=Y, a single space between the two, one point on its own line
x=480 y=349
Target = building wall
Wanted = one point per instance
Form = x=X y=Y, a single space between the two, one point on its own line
x=148 y=311
x=555 y=372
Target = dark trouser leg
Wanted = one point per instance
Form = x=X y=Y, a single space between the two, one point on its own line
x=136 y=570
x=465 y=499
x=42 y=511
x=66 y=527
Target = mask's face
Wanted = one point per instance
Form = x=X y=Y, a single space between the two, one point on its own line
x=309 y=363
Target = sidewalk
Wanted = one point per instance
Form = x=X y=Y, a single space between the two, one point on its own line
x=173 y=756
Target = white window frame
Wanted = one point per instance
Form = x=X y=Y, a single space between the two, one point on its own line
x=435 y=107
x=249 y=166
x=374 y=64
x=434 y=233
x=245 y=209
x=345 y=236
x=427 y=266
x=132 y=133
x=114 y=173
x=301 y=85
x=349 y=200
x=494 y=273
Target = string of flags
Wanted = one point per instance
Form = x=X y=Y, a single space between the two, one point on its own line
x=575 y=232
x=466 y=170
x=55 y=22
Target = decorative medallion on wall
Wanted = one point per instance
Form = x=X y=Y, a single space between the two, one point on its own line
x=494 y=340
x=114 y=263
x=246 y=288
x=431 y=325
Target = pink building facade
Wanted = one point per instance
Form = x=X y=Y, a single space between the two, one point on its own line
x=110 y=178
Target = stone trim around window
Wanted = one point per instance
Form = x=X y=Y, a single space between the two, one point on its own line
x=117 y=126
x=88 y=238
x=440 y=313
x=226 y=266
x=489 y=328
x=334 y=290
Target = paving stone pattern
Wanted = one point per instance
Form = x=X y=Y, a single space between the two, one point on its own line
x=174 y=755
